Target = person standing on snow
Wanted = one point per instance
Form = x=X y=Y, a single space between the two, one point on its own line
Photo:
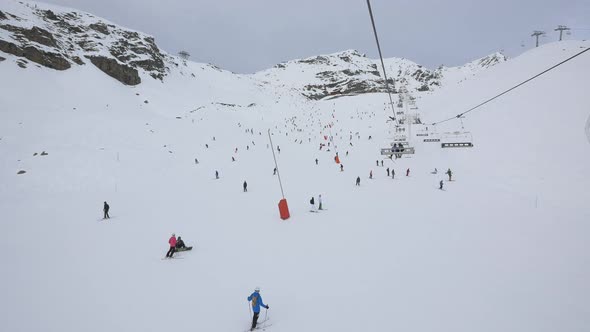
x=358 y=180
x=408 y=172
x=371 y=174
x=312 y=202
x=320 y=202
x=440 y=185
x=256 y=300
x=449 y=173
x=245 y=186
x=387 y=171
x=274 y=172
x=341 y=168
x=316 y=161
x=216 y=174
x=105 y=209
x=392 y=173
x=172 y=243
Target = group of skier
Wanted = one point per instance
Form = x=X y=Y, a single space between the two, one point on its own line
x=175 y=244
x=312 y=203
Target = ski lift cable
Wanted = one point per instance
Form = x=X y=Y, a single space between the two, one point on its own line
x=458 y=116
x=381 y=58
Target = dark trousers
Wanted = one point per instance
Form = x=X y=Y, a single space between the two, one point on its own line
x=106 y=214
x=255 y=319
x=171 y=252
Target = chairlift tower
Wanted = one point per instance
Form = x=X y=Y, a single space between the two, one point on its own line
x=536 y=34
x=561 y=29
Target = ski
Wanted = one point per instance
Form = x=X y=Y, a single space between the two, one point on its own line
x=260 y=328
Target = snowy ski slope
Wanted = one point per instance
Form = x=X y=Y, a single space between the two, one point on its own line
x=503 y=248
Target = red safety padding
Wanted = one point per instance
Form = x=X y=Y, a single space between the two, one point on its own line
x=284 y=209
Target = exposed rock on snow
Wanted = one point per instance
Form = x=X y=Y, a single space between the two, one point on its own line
x=113 y=68
x=58 y=38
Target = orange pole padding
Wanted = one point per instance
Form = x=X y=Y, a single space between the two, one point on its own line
x=337 y=159
x=284 y=209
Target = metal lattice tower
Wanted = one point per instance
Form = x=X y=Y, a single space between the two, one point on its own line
x=561 y=29
x=537 y=34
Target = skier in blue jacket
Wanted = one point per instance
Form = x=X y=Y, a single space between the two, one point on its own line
x=256 y=304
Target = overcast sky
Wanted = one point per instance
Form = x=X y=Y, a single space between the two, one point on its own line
x=245 y=36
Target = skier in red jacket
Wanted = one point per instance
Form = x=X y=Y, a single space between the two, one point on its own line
x=172 y=243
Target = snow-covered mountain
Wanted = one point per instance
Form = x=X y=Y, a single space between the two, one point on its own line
x=59 y=38
x=503 y=247
x=351 y=73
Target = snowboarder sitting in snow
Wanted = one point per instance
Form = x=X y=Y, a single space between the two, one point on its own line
x=180 y=243
x=256 y=304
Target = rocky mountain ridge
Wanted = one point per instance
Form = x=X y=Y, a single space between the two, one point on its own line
x=59 y=38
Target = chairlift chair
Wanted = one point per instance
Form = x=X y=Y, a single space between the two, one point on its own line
x=457 y=139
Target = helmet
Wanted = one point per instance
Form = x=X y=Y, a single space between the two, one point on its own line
x=257 y=289
x=173 y=234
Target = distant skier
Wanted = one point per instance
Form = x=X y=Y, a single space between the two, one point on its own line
x=274 y=172
x=312 y=203
x=233 y=159
x=408 y=172
x=435 y=171
x=381 y=163
x=320 y=202
x=216 y=175
x=278 y=149
x=377 y=162
x=172 y=243
x=256 y=300
x=196 y=161
x=387 y=171
x=341 y=168
x=207 y=146
x=440 y=185
x=245 y=186
x=316 y=161
x=392 y=173
x=371 y=174
x=358 y=180
x=105 y=209
x=450 y=174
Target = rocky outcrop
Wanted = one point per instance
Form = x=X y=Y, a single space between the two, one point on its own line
x=47 y=59
x=122 y=73
x=59 y=38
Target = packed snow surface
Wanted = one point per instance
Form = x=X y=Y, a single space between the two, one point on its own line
x=504 y=247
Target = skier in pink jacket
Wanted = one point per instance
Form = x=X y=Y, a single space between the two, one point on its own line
x=172 y=243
